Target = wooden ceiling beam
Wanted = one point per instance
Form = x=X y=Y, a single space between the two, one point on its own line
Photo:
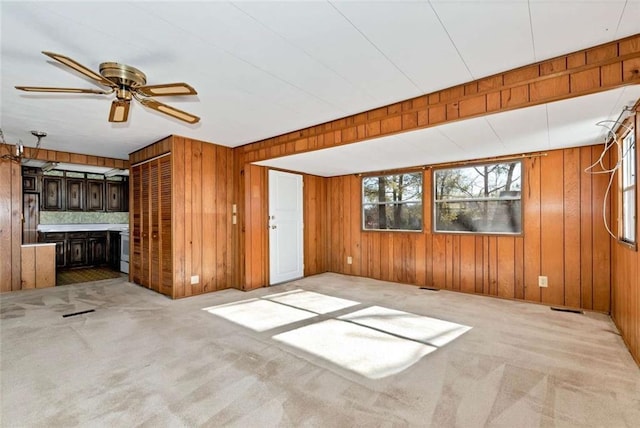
x=585 y=72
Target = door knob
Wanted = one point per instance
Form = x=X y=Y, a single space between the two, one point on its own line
x=274 y=227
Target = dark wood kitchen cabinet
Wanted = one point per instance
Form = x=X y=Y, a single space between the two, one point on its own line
x=52 y=193
x=97 y=248
x=77 y=249
x=75 y=194
x=95 y=195
x=117 y=196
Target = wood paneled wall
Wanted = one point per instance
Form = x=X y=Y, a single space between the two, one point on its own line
x=254 y=245
x=580 y=73
x=316 y=220
x=202 y=204
x=625 y=308
x=10 y=225
x=564 y=238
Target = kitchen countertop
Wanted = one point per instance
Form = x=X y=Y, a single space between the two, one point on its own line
x=96 y=227
x=37 y=245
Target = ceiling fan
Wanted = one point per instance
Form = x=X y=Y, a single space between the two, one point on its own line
x=127 y=82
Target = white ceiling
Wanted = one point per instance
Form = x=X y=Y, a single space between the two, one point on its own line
x=265 y=68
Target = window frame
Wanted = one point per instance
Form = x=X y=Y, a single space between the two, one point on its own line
x=633 y=187
x=435 y=202
x=392 y=174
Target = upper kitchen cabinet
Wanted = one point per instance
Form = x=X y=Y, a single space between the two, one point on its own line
x=52 y=193
x=75 y=194
x=117 y=195
x=78 y=191
x=95 y=195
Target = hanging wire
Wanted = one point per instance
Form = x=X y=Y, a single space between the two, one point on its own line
x=611 y=140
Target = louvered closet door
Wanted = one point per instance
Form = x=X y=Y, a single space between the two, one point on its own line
x=166 y=250
x=154 y=221
x=146 y=236
x=136 y=231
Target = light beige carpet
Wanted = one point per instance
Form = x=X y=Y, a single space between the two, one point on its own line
x=143 y=360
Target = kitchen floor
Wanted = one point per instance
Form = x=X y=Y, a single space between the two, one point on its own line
x=75 y=276
x=329 y=350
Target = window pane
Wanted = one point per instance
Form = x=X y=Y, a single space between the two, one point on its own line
x=407 y=216
x=479 y=216
x=628 y=215
x=498 y=180
x=392 y=188
x=478 y=199
x=629 y=184
x=392 y=202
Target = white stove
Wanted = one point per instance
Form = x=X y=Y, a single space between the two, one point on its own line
x=124 y=251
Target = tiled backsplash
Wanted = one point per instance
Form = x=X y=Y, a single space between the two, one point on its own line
x=73 y=217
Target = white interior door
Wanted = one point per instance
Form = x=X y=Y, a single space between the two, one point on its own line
x=285 y=227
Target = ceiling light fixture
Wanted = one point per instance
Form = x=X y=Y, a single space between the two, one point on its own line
x=15 y=152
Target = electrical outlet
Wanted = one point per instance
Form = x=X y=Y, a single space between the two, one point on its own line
x=542 y=281
x=195 y=279
x=349 y=260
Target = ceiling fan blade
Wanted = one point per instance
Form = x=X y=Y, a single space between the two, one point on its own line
x=119 y=111
x=80 y=68
x=171 y=111
x=65 y=90
x=179 y=88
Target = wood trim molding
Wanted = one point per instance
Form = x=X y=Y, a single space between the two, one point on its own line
x=77 y=158
x=585 y=72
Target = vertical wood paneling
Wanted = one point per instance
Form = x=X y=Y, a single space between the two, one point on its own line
x=468 y=264
x=586 y=232
x=256 y=237
x=187 y=201
x=315 y=225
x=572 y=244
x=601 y=241
x=531 y=224
x=505 y=267
x=554 y=192
x=10 y=240
x=179 y=213
x=196 y=215
x=552 y=227
x=209 y=230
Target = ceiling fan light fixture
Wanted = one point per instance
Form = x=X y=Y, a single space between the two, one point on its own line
x=119 y=111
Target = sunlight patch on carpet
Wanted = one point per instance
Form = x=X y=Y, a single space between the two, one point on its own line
x=368 y=352
x=311 y=301
x=259 y=315
x=428 y=330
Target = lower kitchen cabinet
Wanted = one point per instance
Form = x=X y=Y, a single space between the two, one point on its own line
x=79 y=249
x=76 y=250
x=97 y=249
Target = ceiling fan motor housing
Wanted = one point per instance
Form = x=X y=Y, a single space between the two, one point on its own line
x=123 y=75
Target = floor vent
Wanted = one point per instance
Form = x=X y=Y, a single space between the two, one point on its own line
x=574 y=311
x=430 y=288
x=78 y=313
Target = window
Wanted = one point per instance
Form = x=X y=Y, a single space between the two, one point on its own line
x=478 y=199
x=392 y=202
x=628 y=188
